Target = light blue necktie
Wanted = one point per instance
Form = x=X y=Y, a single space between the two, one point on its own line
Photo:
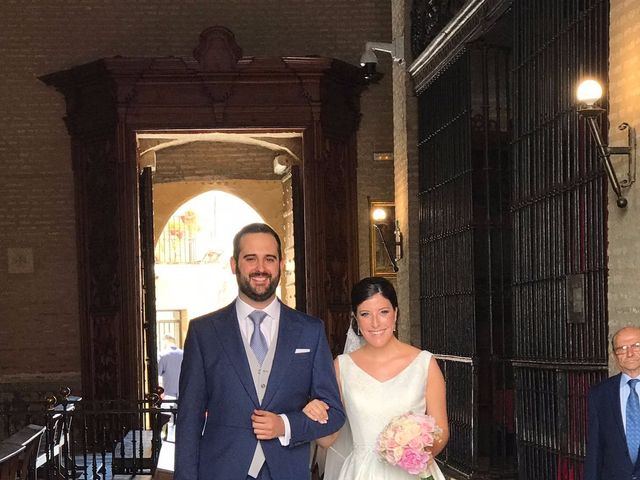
x=258 y=342
x=633 y=421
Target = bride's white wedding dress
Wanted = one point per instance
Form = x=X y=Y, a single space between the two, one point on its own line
x=370 y=404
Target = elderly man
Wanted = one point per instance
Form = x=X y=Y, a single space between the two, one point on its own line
x=614 y=415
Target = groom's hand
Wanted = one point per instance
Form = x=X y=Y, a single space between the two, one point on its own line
x=267 y=425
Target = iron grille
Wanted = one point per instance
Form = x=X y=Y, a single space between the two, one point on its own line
x=464 y=149
x=177 y=242
x=559 y=233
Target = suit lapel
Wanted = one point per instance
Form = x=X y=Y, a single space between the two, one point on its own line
x=289 y=332
x=228 y=331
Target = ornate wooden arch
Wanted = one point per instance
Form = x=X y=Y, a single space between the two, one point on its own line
x=111 y=99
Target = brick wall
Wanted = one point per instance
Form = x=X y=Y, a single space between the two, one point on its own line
x=39 y=308
x=405 y=119
x=624 y=106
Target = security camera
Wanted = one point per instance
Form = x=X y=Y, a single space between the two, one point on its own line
x=369 y=61
x=368 y=56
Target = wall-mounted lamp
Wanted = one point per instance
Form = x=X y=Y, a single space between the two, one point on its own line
x=387 y=231
x=369 y=60
x=588 y=93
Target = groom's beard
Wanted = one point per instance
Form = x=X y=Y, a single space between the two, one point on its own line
x=244 y=284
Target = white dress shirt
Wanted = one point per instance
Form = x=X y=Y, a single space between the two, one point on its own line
x=268 y=327
x=625 y=389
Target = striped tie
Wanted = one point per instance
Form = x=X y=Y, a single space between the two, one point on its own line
x=258 y=342
x=633 y=421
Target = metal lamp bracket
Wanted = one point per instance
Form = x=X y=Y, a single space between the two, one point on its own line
x=590 y=113
x=630 y=151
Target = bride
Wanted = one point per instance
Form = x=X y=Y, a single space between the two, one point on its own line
x=380 y=380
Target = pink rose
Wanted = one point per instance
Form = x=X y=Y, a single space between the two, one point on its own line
x=391 y=443
x=413 y=462
x=416 y=443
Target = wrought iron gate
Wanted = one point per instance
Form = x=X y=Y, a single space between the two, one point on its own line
x=464 y=149
x=513 y=242
x=559 y=239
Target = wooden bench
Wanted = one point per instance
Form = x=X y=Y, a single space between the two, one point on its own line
x=28 y=437
x=9 y=460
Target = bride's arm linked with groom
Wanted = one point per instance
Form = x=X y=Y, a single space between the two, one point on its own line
x=380 y=378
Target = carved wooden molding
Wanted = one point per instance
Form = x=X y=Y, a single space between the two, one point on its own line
x=217 y=50
x=111 y=99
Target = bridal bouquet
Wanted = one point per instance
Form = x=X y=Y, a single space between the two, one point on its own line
x=406 y=442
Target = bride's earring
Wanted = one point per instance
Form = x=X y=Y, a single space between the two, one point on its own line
x=394 y=326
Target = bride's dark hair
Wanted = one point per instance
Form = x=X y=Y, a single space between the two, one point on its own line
x=367 y=288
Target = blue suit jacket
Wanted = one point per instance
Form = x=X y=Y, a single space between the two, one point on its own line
x=607 y=452
x=216 y=389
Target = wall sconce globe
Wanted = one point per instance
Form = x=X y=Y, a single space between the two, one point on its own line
x=589 y=92
x=378 y=214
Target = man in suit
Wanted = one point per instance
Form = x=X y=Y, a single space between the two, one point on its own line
x=613 y=441
x=248 y=370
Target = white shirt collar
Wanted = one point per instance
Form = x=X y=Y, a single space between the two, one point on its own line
x=624 y=379
x=269 y=323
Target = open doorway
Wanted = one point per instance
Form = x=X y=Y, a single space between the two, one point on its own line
x=192 y=260
x=205 y=187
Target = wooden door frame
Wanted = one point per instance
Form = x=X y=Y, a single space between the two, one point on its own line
x=111 y=99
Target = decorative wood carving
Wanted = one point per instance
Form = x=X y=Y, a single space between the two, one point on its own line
x=218 y=50
x=338 y=274
x=110 y=99
x=104 y=345
x=101 y=212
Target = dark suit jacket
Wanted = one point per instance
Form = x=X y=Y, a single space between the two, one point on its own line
x=607 y=452
x=216 y=383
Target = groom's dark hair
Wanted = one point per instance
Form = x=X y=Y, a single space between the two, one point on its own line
x=254 y=228
x=367 y=288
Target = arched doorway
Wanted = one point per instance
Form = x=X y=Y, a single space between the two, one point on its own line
x=192 y=252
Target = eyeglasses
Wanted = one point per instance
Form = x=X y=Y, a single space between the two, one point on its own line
x=623 y=349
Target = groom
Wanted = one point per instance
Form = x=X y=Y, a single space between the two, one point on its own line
x=248 y=370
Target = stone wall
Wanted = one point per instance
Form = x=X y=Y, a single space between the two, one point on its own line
x=624 y=106
x=405 y=121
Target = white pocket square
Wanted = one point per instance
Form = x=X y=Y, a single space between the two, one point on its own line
x=302 y=350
